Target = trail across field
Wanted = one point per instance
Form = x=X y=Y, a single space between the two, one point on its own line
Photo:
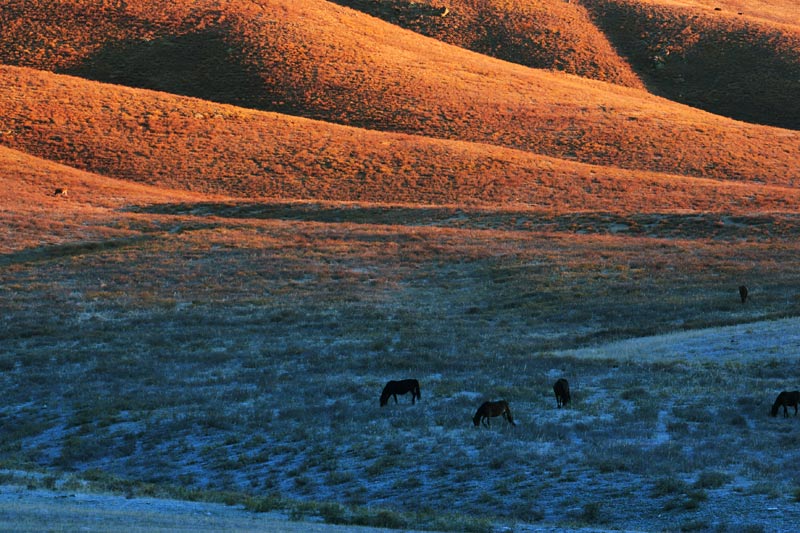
x=23 y=510
x=764 y=340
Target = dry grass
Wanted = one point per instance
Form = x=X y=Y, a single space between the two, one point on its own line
x=194 y=145
x=211 y=356
x=539 y=34
x=37 y=219
x=341 y=66
x=781 y=11
x=719 y=61
x=219 y=299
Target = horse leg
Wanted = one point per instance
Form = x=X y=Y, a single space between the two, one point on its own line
x=785 y=411
x=395 y=397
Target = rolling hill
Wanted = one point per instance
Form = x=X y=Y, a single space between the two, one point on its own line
x=193 y=145
x=275 y=206
x=735 y=59
x=94 y=209
x=319 y=60
x=733 y=63
x=539 y=34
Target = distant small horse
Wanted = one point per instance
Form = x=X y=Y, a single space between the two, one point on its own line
x=61 y=191
x=743 y=293
x=786 y=399
x=488 y=410
x=561 y=388
x=393 y=388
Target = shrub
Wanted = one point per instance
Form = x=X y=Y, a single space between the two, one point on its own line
x=668 y=486
x=712 y=480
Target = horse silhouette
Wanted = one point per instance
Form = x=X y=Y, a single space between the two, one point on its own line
x=561 y=388
x=393 y=388
x=743 y=293
x=786 y=399
x=488 y=410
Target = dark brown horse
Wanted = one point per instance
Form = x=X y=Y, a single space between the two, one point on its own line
x=393 y=388
x=786 y=399
x=488 y=410
x=743 y=293
x=561 y=388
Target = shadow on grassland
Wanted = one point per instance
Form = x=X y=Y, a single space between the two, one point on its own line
x=200 y=64
x=57 y=251
x=717 y=226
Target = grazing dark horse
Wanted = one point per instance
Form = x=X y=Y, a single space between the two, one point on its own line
x=561 y=388
x=743 y=293
x=393 y=388
x=786 y=399
x=488 y=410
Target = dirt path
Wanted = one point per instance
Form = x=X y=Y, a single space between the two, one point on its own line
x=24 y=510
x=766 y=340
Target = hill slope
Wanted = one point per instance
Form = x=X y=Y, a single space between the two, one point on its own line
x=728 y=63
x=323 y=61
x=540 y=34
x=92 y=211
x=188 y=144
x=740 y=60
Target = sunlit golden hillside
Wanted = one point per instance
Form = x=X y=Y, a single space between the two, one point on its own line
x=540 y=33
x=324 y=61
x=194 y=145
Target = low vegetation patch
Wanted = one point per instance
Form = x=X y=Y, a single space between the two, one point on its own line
x=245 y=360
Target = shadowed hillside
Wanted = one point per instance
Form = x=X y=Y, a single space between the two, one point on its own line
x=730 y=64
x=331 y=63
x=190 y=144
x=541 y=34
x=175 y=47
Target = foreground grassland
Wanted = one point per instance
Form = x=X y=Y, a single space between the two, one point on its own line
x=240 y=349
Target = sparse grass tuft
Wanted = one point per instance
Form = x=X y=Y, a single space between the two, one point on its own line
x=712 y=480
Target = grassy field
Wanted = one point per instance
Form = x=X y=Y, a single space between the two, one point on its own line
x=274 y=207
x=245 y=354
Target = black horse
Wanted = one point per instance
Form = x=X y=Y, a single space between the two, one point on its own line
x=743 y=293
x=561 y=388
x=393 y=388
x=488 y=410
x=786 y=399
